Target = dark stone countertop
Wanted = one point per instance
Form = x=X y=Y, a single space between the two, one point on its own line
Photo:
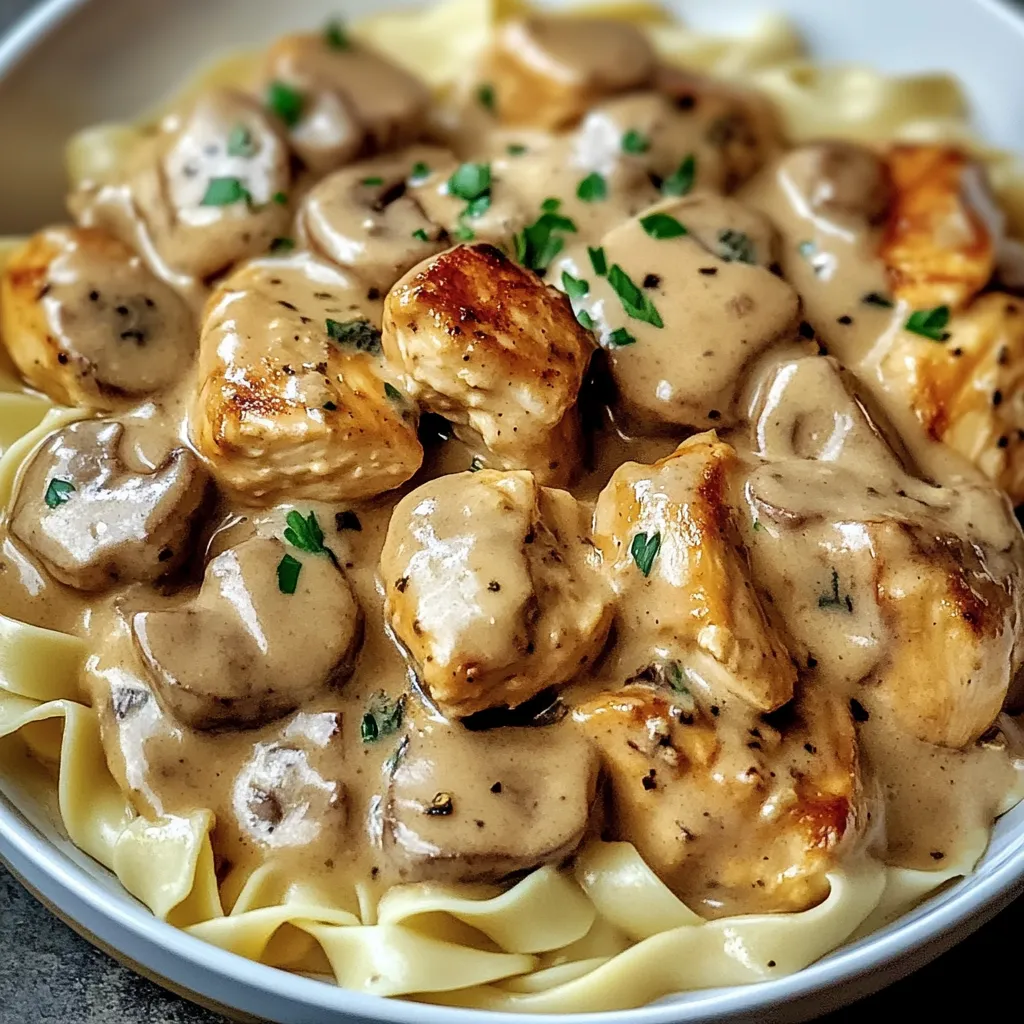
x=48 y=975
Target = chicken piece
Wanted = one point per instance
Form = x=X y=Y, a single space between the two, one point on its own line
x=491 y=587
x=343 y=89
x=210 y=189
x=953 y=634
x=685 y=303
x=255 y=643
x=969 y=391
x=96 y=522
x=736 y=815
x=87 y=323
x=469 y=806
x=364 y=218
x=548 y=71
x=676 y=560
x=944 y=227
x=486 y=344
x=294 y=400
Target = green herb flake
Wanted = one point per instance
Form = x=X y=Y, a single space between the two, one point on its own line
x=464 y=234
x=662 y=226
x=592 y=189
x=644 y=550
x=551 y=205
x=419 y=173
x=225 y=192
x=598 y=261
x=833 y=600
x=635 y=142
x=335 y=35
x=676 y=679
x=575 y=287
x=476 y=465
x=486 y=97
x=539 y=244
x=420 y=235
x=382 y=718
x=241 y=142
x=516 y=149
x=282 y=244
x=304 y=534
x=280 y=198
x=287 y=103
x=288 y=570
x=478 y=207
x=359 y=333
x=758 y=526
x=735 y=247
x=681 y=181
x=584 y=319
x=470 y=181
x=373 y=181
x=393 y=393
x=58 y=492
x=877 y=299
x=620 y=338
x=929 y=323
x=636 y=304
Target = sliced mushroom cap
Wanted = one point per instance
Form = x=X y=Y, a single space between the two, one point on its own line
x=93 y=521
x=468 y=806
x=86 y=322
x=685 y=307
x=547 y=71
x=491 y=587
x=364 y=217
x=252 y=646
x=389 y=103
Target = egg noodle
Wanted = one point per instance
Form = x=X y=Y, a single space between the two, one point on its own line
x=606 y=934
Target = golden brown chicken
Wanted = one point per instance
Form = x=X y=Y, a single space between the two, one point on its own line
x=491 y=586
x=486 y=344
x=294 y=399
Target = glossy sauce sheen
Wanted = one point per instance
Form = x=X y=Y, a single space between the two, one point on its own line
x=311 y=792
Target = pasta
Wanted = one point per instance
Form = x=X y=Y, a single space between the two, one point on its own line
x=609 y=933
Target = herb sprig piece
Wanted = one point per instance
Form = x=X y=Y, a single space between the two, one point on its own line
x=539 y=243
x=680 y=182
x=592 y=189
x=225 y=192
x=929 y=323
x=644 y=550
x=636 y=304
x=359 y=333
x=58 y=492
x=241 y=142
x=286 y=102
x=663 y=226
x=288 y=570
x=382 y=718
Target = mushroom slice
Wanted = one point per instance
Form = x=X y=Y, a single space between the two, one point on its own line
x=93 y=521
x=87 y=323
x=389 y=103
x=548 y=71
x=734 y=816
x=944 y=227
x=294 y=398
x=490 y=586
x=251 y=646
x=466 y=806
x=953 y=633
x=366 y=219
x=675 y=558
x=486 y=344
x=209 y=190
x=969 y=391
x=684 y=308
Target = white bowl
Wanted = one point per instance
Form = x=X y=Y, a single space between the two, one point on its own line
x=76 y=62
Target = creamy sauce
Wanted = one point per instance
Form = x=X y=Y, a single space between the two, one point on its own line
x=318 y=716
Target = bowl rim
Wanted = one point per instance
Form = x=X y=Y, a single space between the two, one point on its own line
x=895 y=950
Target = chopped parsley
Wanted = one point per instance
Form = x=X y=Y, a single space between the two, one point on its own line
x=288 y=570
x=575 y=287
x=382 y=718
x=347 y=520
x=486 y=97
x=280 y=198
x=620 y=338
x=419 y=173
x=515 y=149
x=286 y=102
x=470 y=181
x=375 y=180
x=393 y=393
x=598 y=261
x=635 y=142
x=735 y=246
x=420 y=235
x=584 y=319
x=929 y=323
x=551 y=205
x=539 y=243
x=335 y=35
x=832 y=599
x=877 y=299
x=225 y=192
x=478 y=207
x=681 y=181
x=476 y=465
x=662 y=226
x=282 y=244
x=58 y=492
x=241 y=142
x=304 y=534
x=644 y=550
x=592 y=189
x=358 y=333
x=636 y=304
x=464 y=234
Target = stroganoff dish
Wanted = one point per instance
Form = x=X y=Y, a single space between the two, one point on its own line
x=500 y=515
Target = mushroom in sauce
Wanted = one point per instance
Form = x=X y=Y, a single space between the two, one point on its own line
x=94 y=521
x=491 y=586
x=263 y=636
x=87 y=323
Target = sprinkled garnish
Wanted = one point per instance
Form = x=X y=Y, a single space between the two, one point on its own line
x=644 y=550
x=681 y=181
x=929 y=323
x=58 y=492
x=661 y=226
x=286 y=102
